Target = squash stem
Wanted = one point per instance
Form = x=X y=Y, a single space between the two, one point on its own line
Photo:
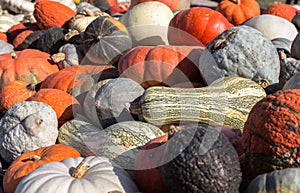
x=80 y=170
x=135 y=108
x=238 y=2
x=13 y=55
x=34 y=158
x=30 y=87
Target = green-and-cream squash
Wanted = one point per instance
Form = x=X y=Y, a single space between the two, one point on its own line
x=227 y=101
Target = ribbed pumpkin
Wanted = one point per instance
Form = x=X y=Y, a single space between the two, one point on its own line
x=173 y=4
x=18 y=28
x=238 y=11
x=271 y=133
x=283 y=10
x=29 y=161
x=64 y=104
x=105 y=40
x=161 y=65
x=30 y=65
x=200 y=22
x=14 y=92
x=76 y=80
x=52 y=14
x=286 y=180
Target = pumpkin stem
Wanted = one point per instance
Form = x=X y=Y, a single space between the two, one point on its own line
x=73 y=33
x=264 y=83
x=135 y=108
x=172 y=130
x=88 y=12
x=13 y=55
x=80 y=170
x=99 y=37
x=238 y=2
x=30 y=87
x=58 y=57
x=34 y=158
x=282 y=55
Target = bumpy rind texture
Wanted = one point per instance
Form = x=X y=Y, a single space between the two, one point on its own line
x=27 y=126
x=271 y=133
x=199 y=158
x=240 y=51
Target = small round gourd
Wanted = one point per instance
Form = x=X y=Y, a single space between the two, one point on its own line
x=91 y=174
x=281 y=28
x=199 y=158
x=27 y=126
x=147 y=23
x=286 y=180
x=240 y=51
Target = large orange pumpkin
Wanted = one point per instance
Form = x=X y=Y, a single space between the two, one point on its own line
x=283 y=10
x=238 y=11
x=64 y=104
x=197 y=23
x=29 y=65
x=161 y=65
x=52 y=14
x=173 y=4
x=29 y=161
x=14 y=92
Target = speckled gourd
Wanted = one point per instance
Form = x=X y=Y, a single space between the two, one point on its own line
x=226 y=101
x=240 y=51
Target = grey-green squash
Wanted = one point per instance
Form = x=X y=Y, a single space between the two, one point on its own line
x=199 y=158
x=120 y=142
x=26 y=126
x=285 y=181
x=75 y=132
x=240 y=51
x=112 y=101
x=227 y=101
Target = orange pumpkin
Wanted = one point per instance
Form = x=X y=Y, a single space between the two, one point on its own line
x=239 y=11
x=78 y=79
x=3 y=36
x=14 y=92
x=52 y=14
x=20 y=38
x=161 y=65
x=64 y=104
x=173 y=4
x=29 y=161
x=285 y=11
x=29 y=65
x=196 y=26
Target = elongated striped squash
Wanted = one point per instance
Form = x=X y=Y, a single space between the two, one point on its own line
x=227 y=101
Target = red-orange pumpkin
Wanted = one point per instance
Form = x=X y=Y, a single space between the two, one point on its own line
x=29 y=65
x=20 y=38
x=271 y=136
x=283 y=10
x=78 y=79
x=173 y=4
x=13 y=31
x=197 y=23
x=29 y=161
x=161 y=65
x=239 y=11
x=3 y=36
x=14 y=92
x=147 y=166
x=52 y=14
x=64 y=104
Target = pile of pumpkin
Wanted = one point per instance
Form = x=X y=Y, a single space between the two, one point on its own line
x=148 y=96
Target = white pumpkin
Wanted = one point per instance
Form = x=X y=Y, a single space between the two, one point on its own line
x=148 y=23
x=7 y=21
x=26 y=126
x=78 y=175
x=273 y=26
